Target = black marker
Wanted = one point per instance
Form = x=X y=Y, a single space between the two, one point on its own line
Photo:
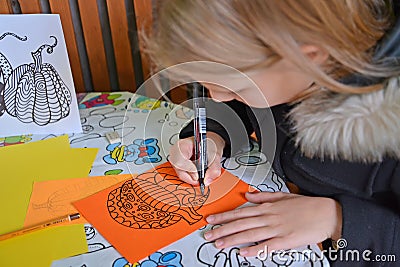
x=200 y=133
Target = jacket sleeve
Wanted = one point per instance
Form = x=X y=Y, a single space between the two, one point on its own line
x=230 y=121
x=370 y=229
x=369 y=195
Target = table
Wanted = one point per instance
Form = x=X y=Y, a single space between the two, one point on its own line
x=150 y=125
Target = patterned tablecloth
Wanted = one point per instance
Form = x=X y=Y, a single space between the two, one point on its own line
x=148 y=128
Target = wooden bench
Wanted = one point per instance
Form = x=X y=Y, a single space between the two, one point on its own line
x=102 y=40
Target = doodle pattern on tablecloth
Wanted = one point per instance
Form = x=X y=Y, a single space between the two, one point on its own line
x=129 y=124
x=15 y=140
x=141 y=151
x=103 y=99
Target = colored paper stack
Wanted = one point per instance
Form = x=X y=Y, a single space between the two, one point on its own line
x=21 y=166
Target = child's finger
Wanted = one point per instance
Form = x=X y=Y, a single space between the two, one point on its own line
x=262 y=197
x=213 y=172
x=187 y=177
x=186 y=171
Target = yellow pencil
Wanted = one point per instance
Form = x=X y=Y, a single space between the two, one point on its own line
x=40 y=226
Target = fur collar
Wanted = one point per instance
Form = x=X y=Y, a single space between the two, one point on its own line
x=358 y=128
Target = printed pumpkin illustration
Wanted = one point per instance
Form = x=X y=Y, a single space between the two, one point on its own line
x=36 y=93
x=5 y=70
x=155 y=200
x=2 y=106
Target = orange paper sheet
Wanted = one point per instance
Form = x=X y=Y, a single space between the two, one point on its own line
x=53 y=199
x=141 y=215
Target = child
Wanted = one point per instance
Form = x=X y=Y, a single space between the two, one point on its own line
x=327 y=71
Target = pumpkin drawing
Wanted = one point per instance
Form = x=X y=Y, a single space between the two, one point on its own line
x=36 y=93
x=2 y=107
x=5 y=70
x=155 y=200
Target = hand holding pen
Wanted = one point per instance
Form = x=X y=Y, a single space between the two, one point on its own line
x=184 y=151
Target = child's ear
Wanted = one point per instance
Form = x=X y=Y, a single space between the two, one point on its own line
x=315 y=53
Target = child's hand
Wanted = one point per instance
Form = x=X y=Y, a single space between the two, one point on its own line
x=181 y=155
x=278 y=221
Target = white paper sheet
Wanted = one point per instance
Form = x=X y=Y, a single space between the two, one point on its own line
x=37 y=96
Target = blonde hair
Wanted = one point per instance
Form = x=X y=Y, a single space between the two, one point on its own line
x=249 y=34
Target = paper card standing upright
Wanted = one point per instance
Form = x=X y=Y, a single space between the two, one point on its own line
x=37 y=93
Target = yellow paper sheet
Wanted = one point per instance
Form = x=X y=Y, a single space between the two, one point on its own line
x=40 y=248
x=53 y=199
x=37 y=161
